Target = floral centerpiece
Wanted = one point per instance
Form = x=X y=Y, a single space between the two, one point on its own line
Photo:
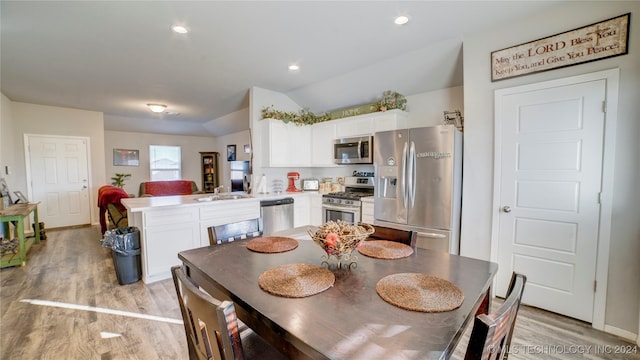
x=339 y=238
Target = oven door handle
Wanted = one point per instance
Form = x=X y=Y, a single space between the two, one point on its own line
x=341 y=208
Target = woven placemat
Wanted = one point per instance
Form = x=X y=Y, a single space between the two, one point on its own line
x=272 y=244
x=420 y=292
x=296 y=280
x=384 y=249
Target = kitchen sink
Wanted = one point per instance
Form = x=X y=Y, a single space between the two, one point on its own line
x=223 y=197
x=232 y=196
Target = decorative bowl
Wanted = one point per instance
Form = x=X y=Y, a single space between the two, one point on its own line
x=338 y=239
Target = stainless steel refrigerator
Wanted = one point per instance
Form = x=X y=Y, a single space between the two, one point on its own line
x=418 y=187
x=238 y=172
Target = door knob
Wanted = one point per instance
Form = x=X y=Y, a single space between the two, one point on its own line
x=506 y=209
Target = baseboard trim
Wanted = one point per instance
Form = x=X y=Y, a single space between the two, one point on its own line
x=627 y=335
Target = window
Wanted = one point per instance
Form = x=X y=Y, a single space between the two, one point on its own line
x=165 y=162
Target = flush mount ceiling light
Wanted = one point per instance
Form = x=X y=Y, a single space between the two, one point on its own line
x=179 y=29
x=294 y=67
x=157 y=108
x=401 y=20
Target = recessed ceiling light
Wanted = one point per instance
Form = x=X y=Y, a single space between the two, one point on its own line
x=294 y=67
x=401 y=20
x=157 y=108
x=179 y=29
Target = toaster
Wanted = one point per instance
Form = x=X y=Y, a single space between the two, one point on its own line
x=310 y=184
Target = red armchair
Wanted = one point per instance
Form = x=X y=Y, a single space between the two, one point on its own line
x=169 y=187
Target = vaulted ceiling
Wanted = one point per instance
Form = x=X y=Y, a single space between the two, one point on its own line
x=117 y=56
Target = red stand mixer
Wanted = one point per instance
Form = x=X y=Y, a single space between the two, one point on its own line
x=293 y=176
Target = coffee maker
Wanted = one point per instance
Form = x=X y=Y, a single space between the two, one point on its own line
x=293 y=176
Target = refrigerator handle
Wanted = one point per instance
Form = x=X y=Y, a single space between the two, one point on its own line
x=412 y=173
x=403 y=182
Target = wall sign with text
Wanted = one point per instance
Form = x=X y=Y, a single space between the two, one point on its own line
x=593 y=42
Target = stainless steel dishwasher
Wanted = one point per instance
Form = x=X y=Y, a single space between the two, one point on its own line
x=276 y=215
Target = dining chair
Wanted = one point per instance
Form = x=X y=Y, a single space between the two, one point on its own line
x=407 y=237
x=212 y=328
x=240 y=230
x=118 y=217
x=491 y=334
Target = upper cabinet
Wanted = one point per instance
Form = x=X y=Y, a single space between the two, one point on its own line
x=368 y=124
x=322 y=137
x=287 y=144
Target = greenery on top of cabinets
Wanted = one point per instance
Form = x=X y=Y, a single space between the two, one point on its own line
x=390 y=100
x=304 y=117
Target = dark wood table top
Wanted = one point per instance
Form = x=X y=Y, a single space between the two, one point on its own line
x=349 y=320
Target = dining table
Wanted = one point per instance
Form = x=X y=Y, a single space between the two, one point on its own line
x=349 y=320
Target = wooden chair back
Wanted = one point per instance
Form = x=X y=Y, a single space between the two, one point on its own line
x=402 y=236
x=240 y=230
x=118 y=218
x=491 y=334
x=211 y=327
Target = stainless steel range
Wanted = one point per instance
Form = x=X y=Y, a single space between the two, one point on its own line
x=346 y=205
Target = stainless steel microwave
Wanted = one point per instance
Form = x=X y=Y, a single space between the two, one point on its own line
x=357 y=150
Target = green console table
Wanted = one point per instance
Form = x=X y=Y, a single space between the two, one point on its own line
x=15 y=214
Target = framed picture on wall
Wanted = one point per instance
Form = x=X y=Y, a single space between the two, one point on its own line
x=231 y=153
x=125 y=157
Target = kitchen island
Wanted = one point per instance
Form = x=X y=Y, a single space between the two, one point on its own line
x=171 y=224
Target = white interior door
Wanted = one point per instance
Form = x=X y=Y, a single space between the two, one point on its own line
x=551 y=170
x=59 y=175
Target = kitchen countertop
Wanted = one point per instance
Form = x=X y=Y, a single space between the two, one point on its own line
x=144 y=203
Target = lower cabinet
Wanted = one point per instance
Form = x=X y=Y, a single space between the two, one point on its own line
x=164 y=234
x=316 y=209
x=301 y=211
x=166 y=231
x=367 y=210
x=227 y=212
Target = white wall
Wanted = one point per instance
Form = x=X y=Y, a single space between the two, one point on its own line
x=190 y=148
x=427 y=109
x=623 y=284
x=7 y=144
x=49 y=120
x=239 y=139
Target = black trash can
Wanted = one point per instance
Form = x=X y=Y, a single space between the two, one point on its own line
x=125 y=250
x=128 y=266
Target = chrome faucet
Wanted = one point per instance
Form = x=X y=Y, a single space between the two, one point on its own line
x=216 y=190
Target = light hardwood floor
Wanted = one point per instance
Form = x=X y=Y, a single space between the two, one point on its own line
x=71 y=268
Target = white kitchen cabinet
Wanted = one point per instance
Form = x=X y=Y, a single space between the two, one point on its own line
x=301 y=211
x=316 y=209
x=369 y=124
x=164 y=234
x=390 y=120
x=171 y=224
x=367 y=210
x=287 y=144
x=354 y=126
x=322 y=137
x=228 y=211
